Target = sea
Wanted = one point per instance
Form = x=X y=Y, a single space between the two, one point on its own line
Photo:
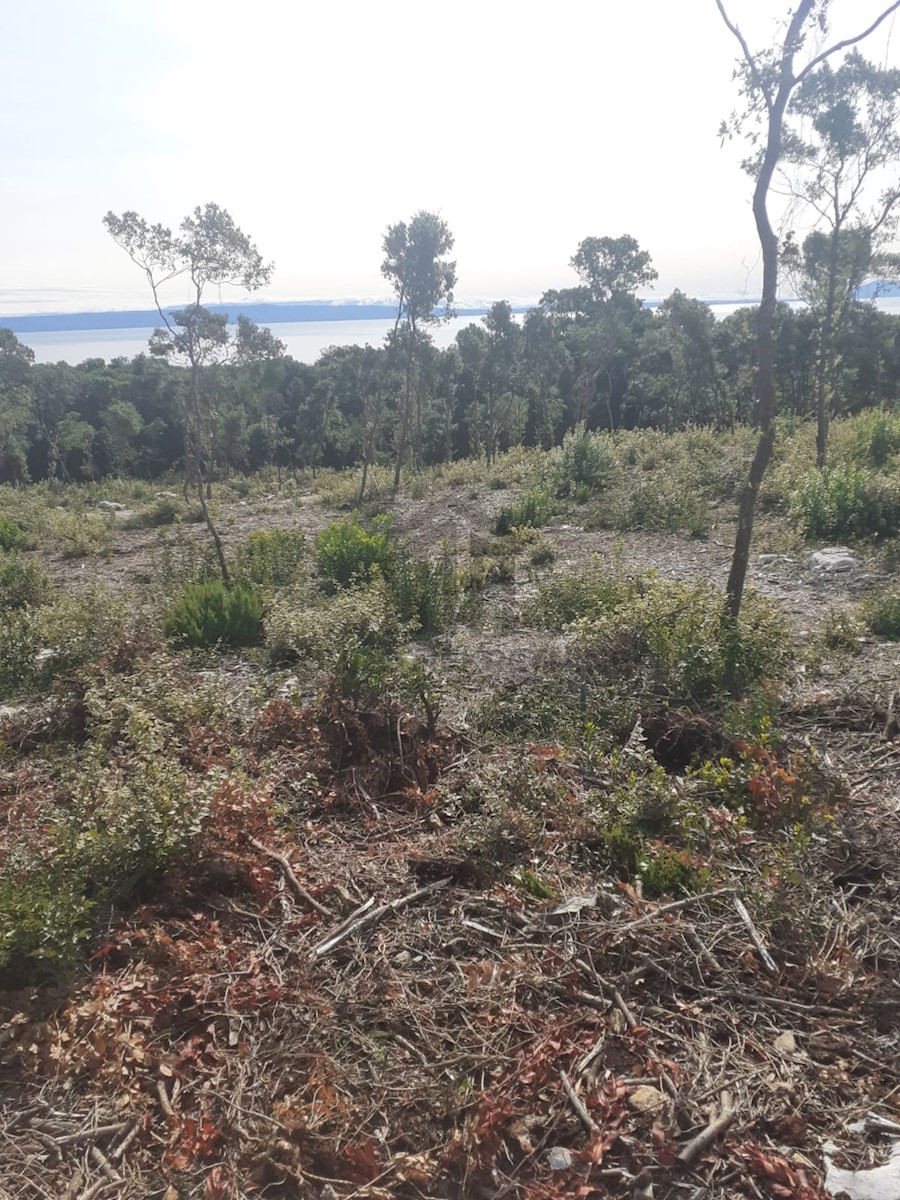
x=305 y=340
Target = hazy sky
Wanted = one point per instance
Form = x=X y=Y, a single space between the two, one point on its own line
x=529 y=126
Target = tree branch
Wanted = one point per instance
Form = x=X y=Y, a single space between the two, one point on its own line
x=820 y=58
x=748 y=56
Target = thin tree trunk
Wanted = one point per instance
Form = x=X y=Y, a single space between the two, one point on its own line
x=198 y=475
x=822 y=366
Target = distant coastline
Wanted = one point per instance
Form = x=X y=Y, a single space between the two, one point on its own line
x=262 y=313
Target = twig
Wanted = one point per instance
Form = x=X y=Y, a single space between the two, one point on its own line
x=704 y=1140
x=376 y=915
x=767 y=960
x=85 y=1134
x=117 y=1152
x=74 y=1187
x=291 y=879
x=672 y=906
x=164 y=1102
x=105 y=1165
x=578 y=1104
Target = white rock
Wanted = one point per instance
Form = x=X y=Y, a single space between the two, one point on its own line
x=881 y=1183
x=766 y=560
x=166 y=496
x=834 y=558
x=110 y=506
x=560 y=1158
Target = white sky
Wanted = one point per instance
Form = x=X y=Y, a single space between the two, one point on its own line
x=529 y=126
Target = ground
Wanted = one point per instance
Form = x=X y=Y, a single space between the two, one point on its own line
x=368 y=985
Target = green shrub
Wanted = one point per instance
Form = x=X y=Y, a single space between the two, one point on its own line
x=347 y=552
x=660 y=503
x=18 y=648
x=80 y=534
x=876 y=437
x=179 y=559
x=542 y=555
x=840 y=631
x=584 y=464
x=22 y=582
x=598 y=587
x=426 y=594
x=354 y=637
x=163 y=511
x=846 y=501
x=272 y=558
x=882 y=615
x=12 y=536
x=210 y=614
x=534 y=509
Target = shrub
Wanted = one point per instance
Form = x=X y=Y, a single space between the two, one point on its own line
x=846 y=501
x=584 y=464
x=347 y=552
x=426 y=594
x=534 y=509
x=163 y=511
x=272 y=558
x=840 y=631
x=210 y=614
x=77 y=629
x=542 y=555
x=17 y=653
x=354 y=638
x=22 y=582
x=12 y=536
x=882 y=615
x=660 y=503
x=79 y=534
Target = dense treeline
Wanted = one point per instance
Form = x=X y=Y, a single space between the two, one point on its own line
x=592 y=354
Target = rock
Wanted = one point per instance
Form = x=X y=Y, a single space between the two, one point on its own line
x=560 y=1158
x=110 y=506
x=166 y=495
x=833 y=559
x=785 y=1043
x=766 y=560
x=879 y=1183
x=650 y=1100
x=9 y=711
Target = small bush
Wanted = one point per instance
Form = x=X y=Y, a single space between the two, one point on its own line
x=272 y=558
x=77 y=629
x=840 y=631
x=22 y=582
x=426 y=594
x=882 y=615
x=163 y=511
x=846 y=501
x=12 y=536
x=209 y=614
x=542 y=555
x=534 y=509
x=347 y=552
x=17 y=653
x=584 y=465
x=80 y=534
x=659 y=504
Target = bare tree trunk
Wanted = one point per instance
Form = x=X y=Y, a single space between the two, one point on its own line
x=198 y=474
x=766 y=389
x=823 y=372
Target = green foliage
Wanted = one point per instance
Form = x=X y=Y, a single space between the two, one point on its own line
x=881 y=612
x=12 y=536
x=876 y=437
x=81 y=534
x=841 y=631
x=355 y=638
x=210 y=614
x=348 y=552
x=846 y=501
x=542 y=554
x=17 y=653
x=274 y=558
x=22 y=582
x=165 y=510
x=426 y=594
x=534 y=509
x=585 y=464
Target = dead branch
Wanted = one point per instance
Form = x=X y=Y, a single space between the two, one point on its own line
x=578 y=1104
x=291 y=879
x=705 y=1139
x=767 y=960
x=376 y=915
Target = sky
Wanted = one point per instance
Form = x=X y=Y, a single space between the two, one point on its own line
x=528 y=126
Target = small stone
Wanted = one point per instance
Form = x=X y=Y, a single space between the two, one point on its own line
x=646 y=1099
x=785 y=1043
x=834 y=559
x=766 y=560
x=110 y=506
x=560 y=1159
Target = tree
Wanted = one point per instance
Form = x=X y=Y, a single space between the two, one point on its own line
x=423 y=279
x=848 y=135
x=767 y=81
x=210 y=251
x=15 y=407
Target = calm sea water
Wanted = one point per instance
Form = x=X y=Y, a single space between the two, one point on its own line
x=305 y=339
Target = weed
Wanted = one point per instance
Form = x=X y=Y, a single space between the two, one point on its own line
x=881 y=612
x=348 y=552
x=426 y=594
x=275 y=558
x=22 y=582
x=533 y=509
x=12 y=536
x=846 y=501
